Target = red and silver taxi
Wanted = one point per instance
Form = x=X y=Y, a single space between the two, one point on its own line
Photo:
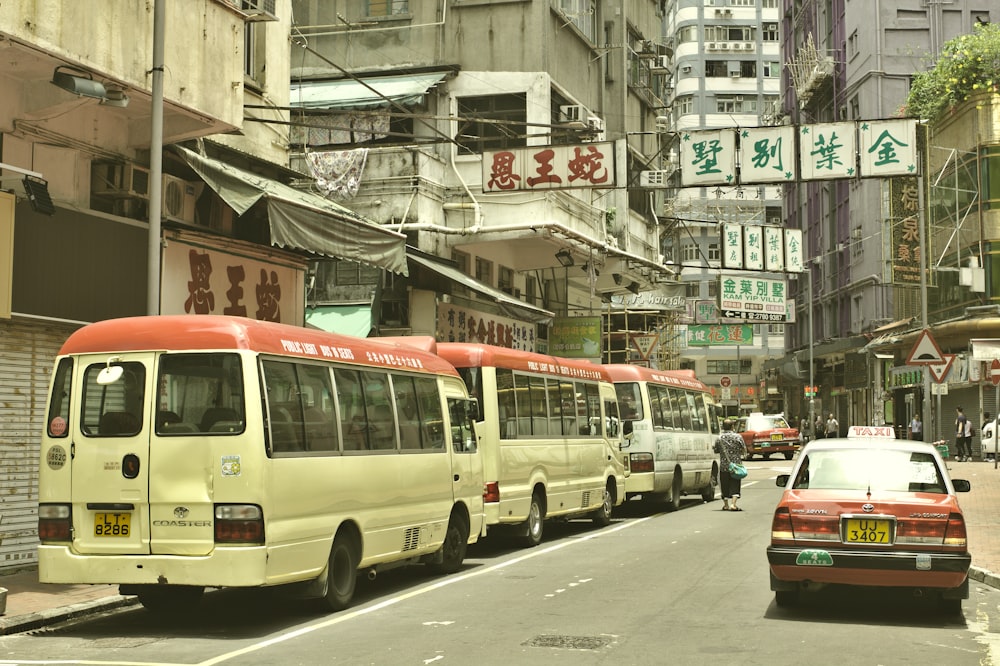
x=765 y=434
x=870 y=511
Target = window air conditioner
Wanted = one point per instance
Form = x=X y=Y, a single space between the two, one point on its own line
x=119 y=179
x=748 y=46
x=179 y=198
x=661 y=62
x=734 y=75
x=257 y=10
x=710 y=46
x=572 y=113
x=723 y=46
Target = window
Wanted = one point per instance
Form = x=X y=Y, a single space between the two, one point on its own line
x=857 y=246
x=387 y=7
x=582 y=14
x=690 y=253
x=530 y=289
x=769 y=32
x=475 y=136
x=748 y=69
x=114 y=409
x=484 y=270
x=730 y=367
x=769 y=4
x=199 y=393
x=852 y=45
x=716 y=68
x=505 y=280
x=714 y=254
x=735 y=104
x=771 y=70
x=684 y=105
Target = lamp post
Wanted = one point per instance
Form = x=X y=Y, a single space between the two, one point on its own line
x=812 y=383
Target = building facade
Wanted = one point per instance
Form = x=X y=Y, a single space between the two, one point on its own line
x=852 y=61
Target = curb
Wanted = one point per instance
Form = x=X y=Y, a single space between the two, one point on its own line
x=985 y=576
x=31 y=621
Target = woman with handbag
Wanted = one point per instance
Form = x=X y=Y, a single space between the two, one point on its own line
x=732 y=450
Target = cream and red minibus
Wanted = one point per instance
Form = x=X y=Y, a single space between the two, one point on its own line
x=194 y=451
x=549 y=435
x=671 y=426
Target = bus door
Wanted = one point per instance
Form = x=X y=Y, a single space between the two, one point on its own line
x=109 y=453
x=467 y=462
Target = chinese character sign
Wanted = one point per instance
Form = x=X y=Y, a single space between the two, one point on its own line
x=460 y=324
x=794 y=259
x=827 y=150
x=549 y=167
x=905 y=220
x=774 y=249
x=888 y=147
x=708 y=157
x=721 y=334
x=753 y=247
x=576 y=337
x=767 y=154
x=732 y=245
x=752 y=298
x=198 y=279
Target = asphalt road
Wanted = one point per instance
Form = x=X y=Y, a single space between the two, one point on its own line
x=653 y=588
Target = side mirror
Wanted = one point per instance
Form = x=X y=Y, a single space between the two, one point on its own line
x=961 y=485
x=472 y=409
x=627 y=428
x=781 y=480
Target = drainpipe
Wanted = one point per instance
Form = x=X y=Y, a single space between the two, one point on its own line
x=155 y=164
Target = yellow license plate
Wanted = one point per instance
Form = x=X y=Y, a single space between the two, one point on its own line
x=112 y=524
x=867 y=530
x=776 y=437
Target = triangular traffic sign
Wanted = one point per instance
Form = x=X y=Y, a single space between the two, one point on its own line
x=939 y=371
x=645 y=344
x=925 y=351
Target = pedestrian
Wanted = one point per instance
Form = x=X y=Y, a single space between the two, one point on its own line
x=916 y=429
x=804 y=429
x=818 y=427
x=986 y=437
x=963 y=436
x=832 y=426
x=731 y=449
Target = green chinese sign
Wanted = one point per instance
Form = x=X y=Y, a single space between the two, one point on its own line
x=722 y=334
x=576 y=337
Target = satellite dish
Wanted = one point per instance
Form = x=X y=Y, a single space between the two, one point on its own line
x=110 y=374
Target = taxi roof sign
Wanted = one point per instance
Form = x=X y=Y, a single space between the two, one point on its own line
x=881 y=432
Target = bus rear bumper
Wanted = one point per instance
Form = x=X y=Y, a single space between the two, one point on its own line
x=225 y=567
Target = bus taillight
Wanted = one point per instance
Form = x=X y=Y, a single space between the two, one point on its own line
x=239 y=523
x=55 y=523
x=491 y=491
x=641 y=462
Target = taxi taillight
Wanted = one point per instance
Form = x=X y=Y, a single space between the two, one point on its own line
x=955 y=534
x=641 y=462
x=491 y=491
x=816 y=527
x=781 y=525
x=240 y=524
x=55 y=523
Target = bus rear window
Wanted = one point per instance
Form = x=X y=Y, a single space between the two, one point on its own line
x=113 y=409
x=200 y=394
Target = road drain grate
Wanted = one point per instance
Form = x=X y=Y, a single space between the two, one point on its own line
x=570 y=642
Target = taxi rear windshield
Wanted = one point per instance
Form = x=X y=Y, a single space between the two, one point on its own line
x=859 y=469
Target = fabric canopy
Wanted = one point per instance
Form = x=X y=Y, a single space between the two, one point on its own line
x=367 y=93
x=353 y=320
x=509 y=306
x=303 y=220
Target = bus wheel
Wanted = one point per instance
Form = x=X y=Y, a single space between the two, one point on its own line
x=789 y=454
x=342 y=574
x=708 y=492
x=170 y=599
x=532 y=535
x=456 y=541
x=602 y=517
x=675 y=492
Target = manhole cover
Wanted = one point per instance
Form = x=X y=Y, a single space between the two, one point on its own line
x=570 y=642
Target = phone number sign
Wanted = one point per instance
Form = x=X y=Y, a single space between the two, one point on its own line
x=753 y=298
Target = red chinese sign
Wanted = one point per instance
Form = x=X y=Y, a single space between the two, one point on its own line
x=906 y=246
x=549 y=167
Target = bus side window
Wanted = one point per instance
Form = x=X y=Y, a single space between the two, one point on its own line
x=353 y=423
x=320 y=432
x=59 y=402
x=377 y=402
x=282 y=406
x=463 y=437
x=505 y=403
x=431 y=416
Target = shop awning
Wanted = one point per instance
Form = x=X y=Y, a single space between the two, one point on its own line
x=347 y=319
x=509 y=306
x=894 y=325
x=365 y=93
x=303 y=220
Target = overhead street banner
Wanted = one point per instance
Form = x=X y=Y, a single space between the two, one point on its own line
x=753 y=298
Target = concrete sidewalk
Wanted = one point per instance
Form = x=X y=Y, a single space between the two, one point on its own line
x=31 y=604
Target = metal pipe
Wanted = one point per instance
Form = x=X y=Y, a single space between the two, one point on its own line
x=155 y=163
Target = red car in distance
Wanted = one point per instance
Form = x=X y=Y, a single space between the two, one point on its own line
x=765 y=434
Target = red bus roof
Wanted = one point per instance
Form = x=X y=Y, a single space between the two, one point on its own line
x=216 y=332
x=636 y=373
x=473 y=355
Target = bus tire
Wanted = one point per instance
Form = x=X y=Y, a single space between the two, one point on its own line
x=342 y=573
x=456 y=542
x=675 y=492
x=602 y=517
x=163 y=599
x=708 y=492
x=533 y=526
